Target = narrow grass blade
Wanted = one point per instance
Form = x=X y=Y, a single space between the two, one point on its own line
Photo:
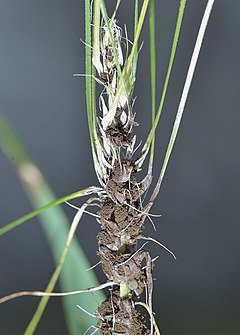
x=135 y=58
x=95 y=62
x=88 y=80
x=59 y=201
x=153 y=72
x=169 y=70
x=55 y=226
x=115 y=10
x=136 y=37
x=184 y=96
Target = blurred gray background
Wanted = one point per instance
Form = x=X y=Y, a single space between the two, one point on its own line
x=40 y=50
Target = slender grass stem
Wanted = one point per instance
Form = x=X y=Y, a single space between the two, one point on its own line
x=96 y=53
x=41 y=307
x=88 y=80
x=166 y=82
x=153 y=73
x=135 y=59
x=115 y=10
